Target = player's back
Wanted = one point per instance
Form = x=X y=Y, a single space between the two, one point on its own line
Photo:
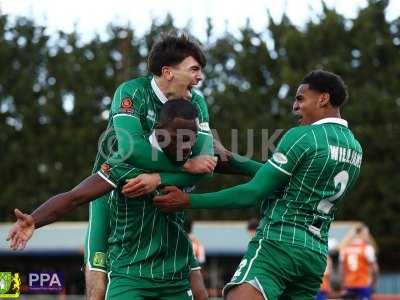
x=323 y=162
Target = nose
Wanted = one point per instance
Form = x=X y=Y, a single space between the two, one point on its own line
x=200 y=75
x=295 y=107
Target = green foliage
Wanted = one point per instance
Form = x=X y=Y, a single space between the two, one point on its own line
x=55 y=93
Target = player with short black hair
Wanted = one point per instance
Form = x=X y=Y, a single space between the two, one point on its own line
x=312 y=169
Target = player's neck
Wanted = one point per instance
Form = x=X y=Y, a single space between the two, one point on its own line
x=164 y=86
x=331 y=113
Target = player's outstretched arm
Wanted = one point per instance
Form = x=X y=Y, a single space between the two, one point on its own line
x=55 y=207
x=266 y=181
x=232 y=163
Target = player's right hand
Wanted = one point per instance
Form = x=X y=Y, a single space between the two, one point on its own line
x=201 y=164
x=22 y=230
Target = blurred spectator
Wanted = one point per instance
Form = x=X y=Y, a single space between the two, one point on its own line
x=359 y=267
x=198 y=249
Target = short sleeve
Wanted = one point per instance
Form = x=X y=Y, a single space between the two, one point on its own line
x=370 y=254
x=291 y=150
x=117 y=173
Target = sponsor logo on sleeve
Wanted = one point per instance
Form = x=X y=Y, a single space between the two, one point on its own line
x=127 y=106
x=280 y=158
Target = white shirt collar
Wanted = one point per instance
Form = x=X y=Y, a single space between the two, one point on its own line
x=339 y=121
x=153 y=141
x=160 y=95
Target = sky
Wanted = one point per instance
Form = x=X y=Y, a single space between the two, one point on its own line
x=89 y=17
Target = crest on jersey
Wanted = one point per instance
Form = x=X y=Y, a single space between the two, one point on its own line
x=105 y=168
x=280 y=158
x=127 y=106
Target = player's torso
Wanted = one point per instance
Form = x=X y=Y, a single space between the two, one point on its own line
x=303 y=212
x=355 y=265
x=144 y=242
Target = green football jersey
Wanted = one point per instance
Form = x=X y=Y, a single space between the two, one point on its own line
x=144 y=242
x=135 y=111
x=323 y=161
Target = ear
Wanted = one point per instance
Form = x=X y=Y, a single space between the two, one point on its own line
x=167 y=73
x=324 y=100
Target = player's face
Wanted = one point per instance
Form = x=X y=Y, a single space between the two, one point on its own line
x=185 y=75
x=177 y=139
x=307 y=105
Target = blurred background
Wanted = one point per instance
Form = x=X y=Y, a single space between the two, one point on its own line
x=61 y=62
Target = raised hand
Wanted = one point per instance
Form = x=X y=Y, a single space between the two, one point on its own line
x=141 y=185
x=201 y=164
x=21 y=232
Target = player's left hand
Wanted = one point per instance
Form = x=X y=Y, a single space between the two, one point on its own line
x=141 y=185
x=172 y=199
x=22 y=230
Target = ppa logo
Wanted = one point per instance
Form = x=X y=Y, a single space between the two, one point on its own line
x=46 y=281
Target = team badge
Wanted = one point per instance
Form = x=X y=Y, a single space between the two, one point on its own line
x=105 y=168
x=99 y=259
x=10 y=285
x=127 y=106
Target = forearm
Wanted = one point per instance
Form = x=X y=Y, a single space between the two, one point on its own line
x=181 y=179
x=266 y=181
x=237 y=164
x=61 y=204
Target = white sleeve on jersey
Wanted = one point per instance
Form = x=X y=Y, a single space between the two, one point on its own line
x=370 y=254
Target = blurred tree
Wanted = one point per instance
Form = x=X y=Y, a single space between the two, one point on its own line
x=55 y=92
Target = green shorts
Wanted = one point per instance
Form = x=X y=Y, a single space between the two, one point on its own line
x=280 y=270
x=97 y=235
x=123 y=287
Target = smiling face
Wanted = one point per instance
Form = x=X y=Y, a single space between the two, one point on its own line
x=183 y=77
x=309 y=105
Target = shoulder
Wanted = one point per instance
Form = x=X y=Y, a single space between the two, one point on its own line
x=135 y=85
x=298 y=134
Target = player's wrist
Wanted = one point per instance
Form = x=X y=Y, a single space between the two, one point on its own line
x=157 y=179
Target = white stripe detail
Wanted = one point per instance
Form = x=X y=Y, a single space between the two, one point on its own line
x=252 y=260
x=160 y=95
x=108 y=284
x=195 y=268
x=96 y=270
x=125 y=115
x=279 y=168
x=205 y=133
x=106 y=179
x=331 y=120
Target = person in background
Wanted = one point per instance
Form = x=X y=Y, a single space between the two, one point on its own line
x=359 y=266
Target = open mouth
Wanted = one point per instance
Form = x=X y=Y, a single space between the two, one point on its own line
x=298 y=118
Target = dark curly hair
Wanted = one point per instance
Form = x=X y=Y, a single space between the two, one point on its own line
x=327 y=82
